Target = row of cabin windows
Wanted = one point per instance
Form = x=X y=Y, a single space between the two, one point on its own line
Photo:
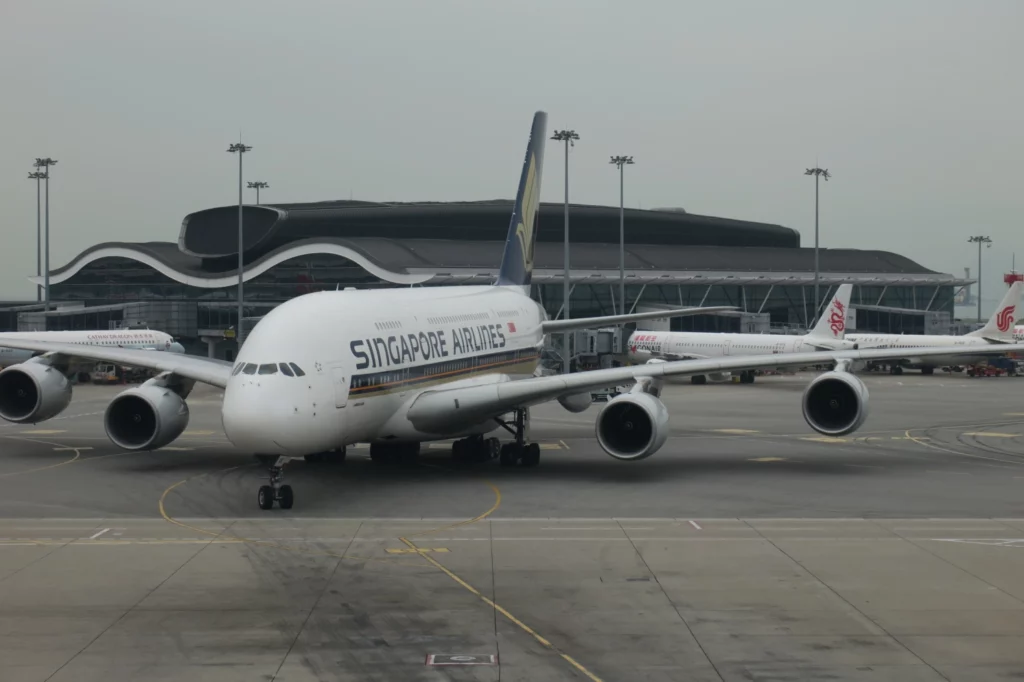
x=471 y=317
x=289 y=369
x=507 y=313
x=391 y=324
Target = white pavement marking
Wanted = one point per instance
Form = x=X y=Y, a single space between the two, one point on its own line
x=695 y=525
x=93 y=537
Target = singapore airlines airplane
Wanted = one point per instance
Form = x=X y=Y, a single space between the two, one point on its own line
x=987 y=340
x=397 y=367
x=144 y=339
x=827 y=334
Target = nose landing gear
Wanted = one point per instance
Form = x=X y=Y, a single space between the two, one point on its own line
x=275 y=492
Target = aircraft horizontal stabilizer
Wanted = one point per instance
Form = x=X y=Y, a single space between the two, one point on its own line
x=550 y=326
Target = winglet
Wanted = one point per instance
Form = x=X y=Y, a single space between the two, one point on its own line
x=999 y=328
x=832 y=323
x=517 y=261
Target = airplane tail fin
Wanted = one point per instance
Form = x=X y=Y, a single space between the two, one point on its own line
x=832 y=323
x=517 y=261
x=1000 y=326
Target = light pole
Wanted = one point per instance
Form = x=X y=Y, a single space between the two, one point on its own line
x=621 y=162
x=38 y=176
x=258 y=185
x=980 y=239
x=240 y=149
x=818 y=173
x=45 y=163
x=569 y=137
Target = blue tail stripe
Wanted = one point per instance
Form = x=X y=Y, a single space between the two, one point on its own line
x=517 y=261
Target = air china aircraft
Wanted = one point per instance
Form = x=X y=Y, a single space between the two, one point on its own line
x=1018 y=333
x=144 y=339
x=998 y=330
x=398 y=367
x=827 y=334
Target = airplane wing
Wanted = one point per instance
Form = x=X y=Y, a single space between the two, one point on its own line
x=438 y=410
x=205 y=370
x=549 y=326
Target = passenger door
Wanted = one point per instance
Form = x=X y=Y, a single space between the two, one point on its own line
x=339 y=377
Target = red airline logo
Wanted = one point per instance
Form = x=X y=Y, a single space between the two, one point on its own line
x=1004 y=319
x=512 y=327
x=838 y=318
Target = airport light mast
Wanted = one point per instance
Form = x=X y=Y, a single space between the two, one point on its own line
x=38 y=176
x=980 y=239
x=258 y=185
x=569 y=137
x=240 y=149
x=818 y=173
x=45 y=164
x=622 y=162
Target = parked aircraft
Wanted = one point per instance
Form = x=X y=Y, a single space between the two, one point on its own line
x=396 y=367
x=998 y=330
x=145 y=339
x=827 y=334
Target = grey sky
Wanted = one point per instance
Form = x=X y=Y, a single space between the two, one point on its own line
x=914 y=105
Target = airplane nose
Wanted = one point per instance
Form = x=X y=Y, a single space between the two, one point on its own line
x=253 y=421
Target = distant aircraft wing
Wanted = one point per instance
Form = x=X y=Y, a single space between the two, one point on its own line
x=205 y=370
x=549 y=326
x=438 y=411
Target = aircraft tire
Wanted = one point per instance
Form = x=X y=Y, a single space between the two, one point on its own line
x=265 y=497
x=286 y=497
x=509 y=455
x=531 y=455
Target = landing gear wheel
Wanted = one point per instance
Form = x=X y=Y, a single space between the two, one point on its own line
x=408 y=453
x=927 y=370
x=265 y=497
x=698 y=379
x=491 y=449
x=531 y=455
x=509 y=455
x=285 y=497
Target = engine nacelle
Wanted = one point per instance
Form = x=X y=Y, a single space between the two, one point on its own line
x=145 y=418
x=835 y=403
x=32 y=392
x=632 y=426
x=577 y=402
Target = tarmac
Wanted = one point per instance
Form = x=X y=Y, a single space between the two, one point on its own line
x=748 y=548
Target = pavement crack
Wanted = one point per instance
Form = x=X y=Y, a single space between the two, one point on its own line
x=669 y=600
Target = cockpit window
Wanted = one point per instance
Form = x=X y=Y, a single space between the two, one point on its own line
x=286 y=370
x=249 y=368
x=238 y=368
x=298 y=370
x=268 y=369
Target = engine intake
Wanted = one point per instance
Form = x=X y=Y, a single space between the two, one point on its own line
x=835 y=403
x=145 y=418
x=32 y=392
x=632 y=426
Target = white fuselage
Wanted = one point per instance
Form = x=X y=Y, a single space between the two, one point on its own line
x=649 y=345
x=115 y=338
x=909 y=341
x=365 y=356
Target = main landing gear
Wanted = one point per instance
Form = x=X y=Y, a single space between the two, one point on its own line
x=519 y=451
x=476 y=449
x=275 y=492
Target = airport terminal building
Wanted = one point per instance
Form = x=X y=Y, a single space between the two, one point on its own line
x=672 y=258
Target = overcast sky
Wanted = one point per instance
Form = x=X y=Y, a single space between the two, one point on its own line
x=915 y=106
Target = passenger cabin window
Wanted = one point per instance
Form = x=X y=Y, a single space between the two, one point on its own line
x=298 y=371
x=270 y=368
x=286 y=370
x=249 y=368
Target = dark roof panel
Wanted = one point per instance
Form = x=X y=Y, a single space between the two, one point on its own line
x=214 y=232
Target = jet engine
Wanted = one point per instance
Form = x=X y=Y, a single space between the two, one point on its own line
x=145 y=418
x=32 y=392
x=577 y=402
x=835 y=403
x=632 y=426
